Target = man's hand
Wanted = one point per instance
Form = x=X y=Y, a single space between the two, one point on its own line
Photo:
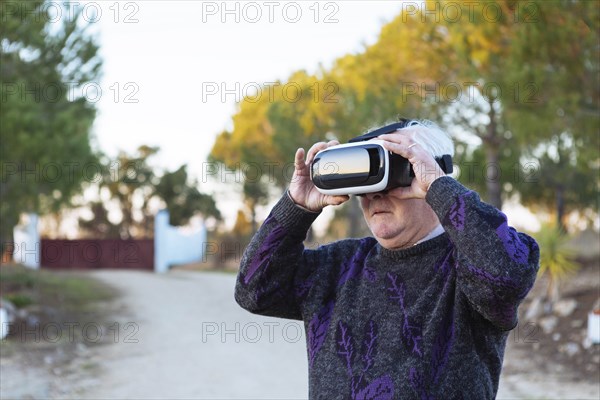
x=426 y=168
x=302 y=190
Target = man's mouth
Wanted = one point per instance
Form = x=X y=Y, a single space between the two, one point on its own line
x=376 y=212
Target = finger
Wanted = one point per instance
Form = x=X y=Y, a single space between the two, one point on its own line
x=406 y=148
x=337 y=200
x=318 y=147
x=299 y=159
x=400 y=136
x=314 y=150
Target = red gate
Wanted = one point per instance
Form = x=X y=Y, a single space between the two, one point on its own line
x=98 y=254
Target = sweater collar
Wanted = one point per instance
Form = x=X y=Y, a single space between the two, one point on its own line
x=440 y=241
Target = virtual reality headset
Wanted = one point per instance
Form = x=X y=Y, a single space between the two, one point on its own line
x=364 y=166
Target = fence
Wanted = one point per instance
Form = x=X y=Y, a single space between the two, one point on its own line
x=97 y=254
x=171 y=245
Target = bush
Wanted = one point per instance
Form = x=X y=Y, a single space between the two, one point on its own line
x=557 y=259
x=19 y=300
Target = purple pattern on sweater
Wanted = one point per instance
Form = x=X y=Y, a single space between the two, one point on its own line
x=263 y=254
x=502 y=281
x=353 y=267
x=499 y=309
x=411 y=334
x=345 y=348
x=418 y=384
x=447 y=263
x=317 y=330
x=516 y=249
x=301 y=288
x=456 y=215
x=441 y=348
x=275 y=291
x=369 y=274
x=369 y=348
x=380 y=388
x=440 y=352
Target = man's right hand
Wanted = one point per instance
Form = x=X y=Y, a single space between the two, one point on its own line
x=302 y=190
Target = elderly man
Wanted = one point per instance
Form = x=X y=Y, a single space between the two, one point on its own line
x=421 y=310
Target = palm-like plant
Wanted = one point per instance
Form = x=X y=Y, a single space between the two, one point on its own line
x=557 y=259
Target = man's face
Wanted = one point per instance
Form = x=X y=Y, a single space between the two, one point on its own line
x=397 y=223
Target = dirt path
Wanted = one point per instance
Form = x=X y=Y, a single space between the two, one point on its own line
x=183 y=337
x=195 y=342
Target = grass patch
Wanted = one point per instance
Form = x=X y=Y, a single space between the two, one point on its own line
x=70 y=291
x=19 y=300
x=54 y=297
x=74 y=292
x=16 y=278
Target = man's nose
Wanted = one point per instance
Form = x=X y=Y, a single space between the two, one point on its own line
x=375 y=196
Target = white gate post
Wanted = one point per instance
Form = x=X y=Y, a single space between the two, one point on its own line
x=28 y=248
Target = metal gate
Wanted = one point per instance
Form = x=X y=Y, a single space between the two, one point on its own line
x=98 y=254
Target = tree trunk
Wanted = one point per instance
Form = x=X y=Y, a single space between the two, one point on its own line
x=493 y=172
x=8 y=249
x=253 y=223
x=7 y=245
x=560 y=208
x=492 y=178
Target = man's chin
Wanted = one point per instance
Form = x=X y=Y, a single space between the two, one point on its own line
x=385 y=233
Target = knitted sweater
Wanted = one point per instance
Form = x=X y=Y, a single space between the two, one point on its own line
x=425 y=322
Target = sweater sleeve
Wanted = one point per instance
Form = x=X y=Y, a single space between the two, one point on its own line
x=496 y=265
x=275 y=270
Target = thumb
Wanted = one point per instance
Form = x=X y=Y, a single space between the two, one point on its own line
x=299 y=159
x=337 y=200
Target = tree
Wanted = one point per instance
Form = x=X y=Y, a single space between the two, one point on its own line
x=183 y=199
x=540 y=63
x=100 y=225
x=133 y=186
x=45 y=118
x=126 y=187
x=560 y=53
x=564 y=180
x=130 y=189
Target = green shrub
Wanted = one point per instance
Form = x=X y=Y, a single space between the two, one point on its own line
x=557 y=259
x=19 y=300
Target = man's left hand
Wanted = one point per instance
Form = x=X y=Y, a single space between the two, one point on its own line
x=426 y=168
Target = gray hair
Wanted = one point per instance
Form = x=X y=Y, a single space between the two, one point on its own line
x=431 y=137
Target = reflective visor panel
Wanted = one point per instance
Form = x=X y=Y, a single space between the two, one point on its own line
x=348 y=166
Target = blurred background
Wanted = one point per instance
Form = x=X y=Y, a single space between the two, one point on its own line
x=142 y=143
